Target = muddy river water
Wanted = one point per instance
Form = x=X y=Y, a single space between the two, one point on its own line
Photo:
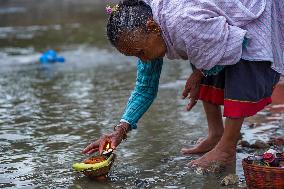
x=48 y=113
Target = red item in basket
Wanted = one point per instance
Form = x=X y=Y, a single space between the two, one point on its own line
x=268 y=157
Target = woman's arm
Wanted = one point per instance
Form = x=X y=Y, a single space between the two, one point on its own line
x=145 y=91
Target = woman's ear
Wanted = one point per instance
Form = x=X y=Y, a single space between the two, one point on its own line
x=152 y=26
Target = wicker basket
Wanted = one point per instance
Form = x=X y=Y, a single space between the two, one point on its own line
x=261 y=177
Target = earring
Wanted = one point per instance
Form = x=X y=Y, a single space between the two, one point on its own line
x=157 y=30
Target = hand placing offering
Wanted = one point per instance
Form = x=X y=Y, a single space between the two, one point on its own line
x=113 y=139
x=97 y=167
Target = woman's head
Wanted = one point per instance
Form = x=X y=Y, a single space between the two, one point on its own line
x=132 y=30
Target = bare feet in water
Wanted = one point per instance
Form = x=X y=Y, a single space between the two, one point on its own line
x=203 y=145
x=218 y=154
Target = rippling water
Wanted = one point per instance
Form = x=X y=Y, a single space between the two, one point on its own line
x=48 y=113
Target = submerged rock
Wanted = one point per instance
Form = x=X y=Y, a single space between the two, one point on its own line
x=141 y=183
x=252 y=125
x=216 y=167
x=244 y=143
x=230 y=179
x=259 y=144
x=200 y=171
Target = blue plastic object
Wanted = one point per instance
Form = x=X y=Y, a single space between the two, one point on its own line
x=51 y=56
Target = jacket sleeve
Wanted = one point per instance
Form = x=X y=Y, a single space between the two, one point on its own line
x=145 y=91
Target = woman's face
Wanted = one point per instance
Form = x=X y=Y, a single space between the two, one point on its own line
x=144 y=45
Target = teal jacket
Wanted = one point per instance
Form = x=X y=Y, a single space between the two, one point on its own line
x=145 y=91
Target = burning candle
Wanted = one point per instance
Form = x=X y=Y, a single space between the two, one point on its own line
x=107 y=146
x=107 y=151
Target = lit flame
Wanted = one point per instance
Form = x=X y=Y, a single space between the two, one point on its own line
x=107 y=146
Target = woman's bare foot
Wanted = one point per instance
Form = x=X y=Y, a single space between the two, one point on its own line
x=225 y=151
x=201 y=139
x=203 y=145
x=217 y=154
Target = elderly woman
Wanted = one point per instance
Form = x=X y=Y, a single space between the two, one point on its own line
x=236 y=51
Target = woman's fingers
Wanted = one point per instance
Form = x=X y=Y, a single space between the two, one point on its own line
x=104 y=141
x=191 y=104
x=91 y=146
x=185 y=92
x=93 y=151
x=99 y=145
x=193 y=96
x=187 y=89
x=189 y=86
x=115 y=142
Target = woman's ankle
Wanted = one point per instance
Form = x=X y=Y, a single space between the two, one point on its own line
x=216 y=134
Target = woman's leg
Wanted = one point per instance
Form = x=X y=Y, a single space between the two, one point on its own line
x=248 y=89
x=215 y=130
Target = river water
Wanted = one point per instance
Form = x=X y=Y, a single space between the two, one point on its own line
x=49 y=113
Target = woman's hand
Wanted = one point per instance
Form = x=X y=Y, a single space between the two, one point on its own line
x=114 y=139
x=191 y=89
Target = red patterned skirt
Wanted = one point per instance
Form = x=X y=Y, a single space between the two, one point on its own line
x=244 y=88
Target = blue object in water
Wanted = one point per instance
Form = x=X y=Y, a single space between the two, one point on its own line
x=51 y=56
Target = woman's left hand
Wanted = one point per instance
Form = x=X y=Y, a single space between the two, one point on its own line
x=191 y=89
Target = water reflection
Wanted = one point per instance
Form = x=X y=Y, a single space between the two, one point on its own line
x=51 y=23
x=50 y=113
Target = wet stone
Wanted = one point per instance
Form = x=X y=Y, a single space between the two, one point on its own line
x=199 y=171
x=215 y=167
x=240 y=150
x=244 y=143
x=259 y=144
x=252 y=125
x=141 y=183
x=166 y=160
x=230 y=179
